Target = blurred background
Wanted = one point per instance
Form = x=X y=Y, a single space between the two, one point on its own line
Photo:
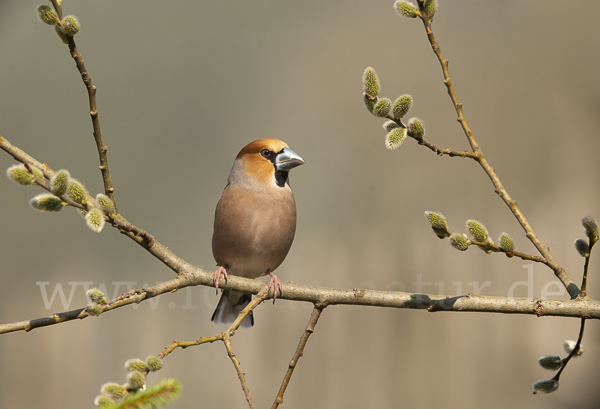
x=183 y=86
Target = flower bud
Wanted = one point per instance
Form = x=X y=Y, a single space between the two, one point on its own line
x=551 y=362
x=477 y=231
x=95 y=220
x=113 y=390
x=369 y=102
x=430 y=7
x=135 y=364
x=19 y=174
x=459 y=241
x=153 y=363
x=569 y=346
x=47 y=15
x=77 y=192
x=406 y=9
x=438 y=224
x=370 y=82
x=591 y=228
x=394 y=138
x=96 y=296
x=506 y=243
x=69 y=26
x=546 y=386
x=60 y=182
x=136 y=380
x=401 y=106
x=47 y=203
x=382 y=107
x=416 y=128
x=582 y=247
x=389 y=125
x=94 y=309
x=106 y=205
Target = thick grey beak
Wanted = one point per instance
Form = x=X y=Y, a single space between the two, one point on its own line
x=287 y=160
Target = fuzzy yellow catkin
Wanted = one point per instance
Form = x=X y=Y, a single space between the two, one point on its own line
x=69 y=26
x=416 y=127
x=95 y=220
x=370 y=82
x=406 y=9
x=47 y=203
x=19 y=174
x=459 y=241
x=401 y=106
x=60 y=182
x=382 y=107
x=394 y=138
x=77 y=192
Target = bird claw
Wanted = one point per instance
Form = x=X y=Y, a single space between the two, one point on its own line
x=276 y=284
x=217 y=276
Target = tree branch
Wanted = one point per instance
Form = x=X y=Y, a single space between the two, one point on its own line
x=310 y=328
x=560 y=272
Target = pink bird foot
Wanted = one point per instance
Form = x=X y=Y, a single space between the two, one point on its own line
x=217 y=276
x=276 y=284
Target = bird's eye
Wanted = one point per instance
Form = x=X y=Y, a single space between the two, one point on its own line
x=266 y=153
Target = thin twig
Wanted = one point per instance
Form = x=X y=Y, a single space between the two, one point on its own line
x=560 y=272
x=310 y=328
x=573 y=352
x=91 y=90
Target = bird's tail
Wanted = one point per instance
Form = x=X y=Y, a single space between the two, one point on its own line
x=229 y=307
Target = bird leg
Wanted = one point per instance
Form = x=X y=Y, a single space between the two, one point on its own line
x=275 y=283
x=217 y=276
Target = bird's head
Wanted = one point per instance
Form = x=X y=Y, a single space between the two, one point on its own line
x=264 y=164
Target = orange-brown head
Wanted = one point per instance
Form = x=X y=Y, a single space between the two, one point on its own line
x=264 y=164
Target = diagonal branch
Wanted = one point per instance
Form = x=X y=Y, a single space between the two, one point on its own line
x=310 y=328
x=560 y=272
x=91 y=90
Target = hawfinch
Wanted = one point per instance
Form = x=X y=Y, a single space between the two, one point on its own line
x=255 y=222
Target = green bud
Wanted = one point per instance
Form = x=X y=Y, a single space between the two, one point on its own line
x=69 y=26
x=102 y=402
x=389 y=125
x=94 y=309
x=569 y=346
x=95 y=220
x=36 y=172
x=551 y=362
x=60 y=182
x=394 y=138
x=106 y=205
x=77 y=192
x=582 y=247
x=369 y=102
x=477 y=231
x=402 y=105
x=546 y=386
x=113 y=390
x=47 y=15
x=416 y=128
x=382 y=107
x=430 y=7
x=135 y=364
x=136 y=380
x=20 y=175
x=370 y=82
x=406 y=9
x=96 y=296
x=438 y=224
x=47 y=203
x=153 y=363
x=506 y=243
x=591 y=228
x=459 y=241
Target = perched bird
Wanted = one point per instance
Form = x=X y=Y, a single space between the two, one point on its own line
x=255 y=222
